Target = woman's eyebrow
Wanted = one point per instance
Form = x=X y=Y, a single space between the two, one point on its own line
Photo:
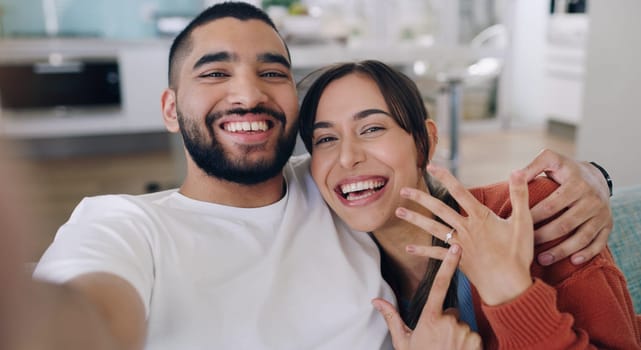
x=367 y=112
x=321 y=125
x=358 y=116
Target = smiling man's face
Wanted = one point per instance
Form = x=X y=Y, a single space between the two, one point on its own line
x=235 y=101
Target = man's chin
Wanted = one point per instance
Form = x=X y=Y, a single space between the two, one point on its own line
x=242 y=164
x=247 y=175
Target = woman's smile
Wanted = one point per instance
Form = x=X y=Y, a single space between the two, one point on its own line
x=361 y=190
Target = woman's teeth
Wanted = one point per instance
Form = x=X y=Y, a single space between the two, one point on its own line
x=364 y=189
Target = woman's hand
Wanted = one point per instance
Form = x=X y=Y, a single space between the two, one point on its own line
x=436 y=329
x=585 y=193
x=497 y=253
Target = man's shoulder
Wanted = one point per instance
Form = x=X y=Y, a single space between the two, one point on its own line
x=497 y=196
x=300 y=184
x=300 y=162
x=296 y=170
x=110 y=205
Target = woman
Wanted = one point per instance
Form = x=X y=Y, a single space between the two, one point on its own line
x=369 y=152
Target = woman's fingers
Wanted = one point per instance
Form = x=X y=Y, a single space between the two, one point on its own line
x=452 y=311
x=433 y=308
x=464 y=198
x=429 y=225
x=434 y=205
x=397 y=328
x=434 y=252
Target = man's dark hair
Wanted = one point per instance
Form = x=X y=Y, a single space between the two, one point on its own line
x=239 y=10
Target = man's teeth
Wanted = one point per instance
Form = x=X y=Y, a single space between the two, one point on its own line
x=361 y=186
x=246 y=126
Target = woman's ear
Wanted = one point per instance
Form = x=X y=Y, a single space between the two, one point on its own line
x=432 y=135
x=169 y=113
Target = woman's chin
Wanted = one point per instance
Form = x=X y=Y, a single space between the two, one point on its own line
x=360 y=225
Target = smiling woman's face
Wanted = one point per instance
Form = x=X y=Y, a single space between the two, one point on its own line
x=361 y=157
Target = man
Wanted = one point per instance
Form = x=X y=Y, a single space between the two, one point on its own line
x=245 y=254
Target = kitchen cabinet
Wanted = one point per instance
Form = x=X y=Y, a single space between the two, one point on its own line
x=143 y=75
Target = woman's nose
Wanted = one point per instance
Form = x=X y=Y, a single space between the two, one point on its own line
x=351 y=154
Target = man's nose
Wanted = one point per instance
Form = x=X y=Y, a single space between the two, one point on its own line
x=246 y=91
x=351 y=154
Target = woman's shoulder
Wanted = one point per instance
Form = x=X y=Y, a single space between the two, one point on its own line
x=497 y=196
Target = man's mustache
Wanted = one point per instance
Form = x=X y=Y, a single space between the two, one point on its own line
x=211 y=118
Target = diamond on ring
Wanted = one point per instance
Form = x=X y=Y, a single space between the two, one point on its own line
x=449 y=236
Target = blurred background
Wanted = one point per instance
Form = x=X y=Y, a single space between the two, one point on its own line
x=80 y=84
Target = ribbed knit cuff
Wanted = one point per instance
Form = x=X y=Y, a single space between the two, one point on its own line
x=527 y=320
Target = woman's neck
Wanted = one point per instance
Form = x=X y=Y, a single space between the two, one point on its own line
x=408 y=269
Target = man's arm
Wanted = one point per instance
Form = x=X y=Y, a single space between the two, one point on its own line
x=61 y=316
x=117 y=304
x=585 y=192
x=93 y=311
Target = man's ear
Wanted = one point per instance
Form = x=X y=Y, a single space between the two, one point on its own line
x=432 y=135
x=169 y=112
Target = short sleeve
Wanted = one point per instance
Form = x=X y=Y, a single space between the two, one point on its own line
x=107 y=234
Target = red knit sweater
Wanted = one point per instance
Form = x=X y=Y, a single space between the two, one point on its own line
x=568 y=306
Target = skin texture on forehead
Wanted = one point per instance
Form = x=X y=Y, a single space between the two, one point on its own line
x=233 y=36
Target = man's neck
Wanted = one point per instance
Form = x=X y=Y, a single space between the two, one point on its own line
x=200 y=186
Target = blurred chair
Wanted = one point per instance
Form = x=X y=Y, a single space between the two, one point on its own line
x=481 y=80
x=492 y=36
x=625 y=240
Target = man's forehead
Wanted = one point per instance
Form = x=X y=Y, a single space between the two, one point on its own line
x=236 y=36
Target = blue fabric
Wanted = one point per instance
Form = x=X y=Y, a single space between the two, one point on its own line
x=625 y=239
x=465 y=303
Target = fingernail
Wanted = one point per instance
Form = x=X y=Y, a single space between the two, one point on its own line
x=376 y=306
x=454 y=249
x=546 y=259
x=405 y=192
x=401 y=212
x=576 y=260
x=410 y=248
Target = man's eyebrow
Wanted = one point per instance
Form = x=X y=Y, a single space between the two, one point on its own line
x=222 y=56
x=270 y=57
x=360 y=115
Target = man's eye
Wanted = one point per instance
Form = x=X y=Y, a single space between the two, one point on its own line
x=322 y=140
x=273 y=74
x=214 y=75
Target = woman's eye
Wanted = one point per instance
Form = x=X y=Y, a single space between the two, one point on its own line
x=324 y=139
x=372 y=129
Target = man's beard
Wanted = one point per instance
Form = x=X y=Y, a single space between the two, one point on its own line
x=214 y=161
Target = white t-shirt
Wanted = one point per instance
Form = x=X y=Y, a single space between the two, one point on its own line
x=285 y=276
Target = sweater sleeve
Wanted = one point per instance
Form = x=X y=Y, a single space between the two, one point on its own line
x=568 y=306
x=589 y=310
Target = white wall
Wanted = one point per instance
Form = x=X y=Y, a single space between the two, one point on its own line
x=610 y=132
x=522 y=85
